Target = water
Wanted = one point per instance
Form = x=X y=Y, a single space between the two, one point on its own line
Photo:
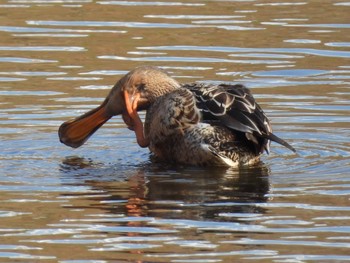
x=107 y=201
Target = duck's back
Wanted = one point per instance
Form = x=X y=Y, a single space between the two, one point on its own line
x=177 y=133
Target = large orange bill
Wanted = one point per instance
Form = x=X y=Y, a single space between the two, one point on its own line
x=74 y=133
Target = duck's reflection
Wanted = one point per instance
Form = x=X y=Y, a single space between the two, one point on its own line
x=172 y=192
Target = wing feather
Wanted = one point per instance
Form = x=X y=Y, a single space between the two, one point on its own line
x=235 y=107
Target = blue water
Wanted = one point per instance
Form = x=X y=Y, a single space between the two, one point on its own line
x=109 y=201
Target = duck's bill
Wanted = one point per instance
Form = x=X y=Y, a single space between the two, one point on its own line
x=75 y=133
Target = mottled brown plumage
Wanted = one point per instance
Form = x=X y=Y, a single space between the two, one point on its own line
x=198 y=124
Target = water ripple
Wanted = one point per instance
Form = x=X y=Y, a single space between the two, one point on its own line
x=248 y=241
x=37 y=31
x=43 y=48
x=319 y=25
x=33 y=73
x=282 y=4
x=195 y=59
x=148 y=3
x=195 y=17
x=109 y=24
x=306 y=51
x=25 y=60
x=109 y=200
x=50 y=1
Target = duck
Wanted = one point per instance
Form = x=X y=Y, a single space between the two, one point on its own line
x=201 y=124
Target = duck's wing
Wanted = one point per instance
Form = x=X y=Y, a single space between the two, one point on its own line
x=235 y=107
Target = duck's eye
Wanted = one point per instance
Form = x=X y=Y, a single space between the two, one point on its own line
x=141 y=87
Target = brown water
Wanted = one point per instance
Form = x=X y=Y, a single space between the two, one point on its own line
x=107 y=202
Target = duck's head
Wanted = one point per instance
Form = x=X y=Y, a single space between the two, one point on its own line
x=136 y=91
x=145 y=83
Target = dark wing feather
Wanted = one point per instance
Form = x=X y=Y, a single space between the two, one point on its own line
x=235 y=107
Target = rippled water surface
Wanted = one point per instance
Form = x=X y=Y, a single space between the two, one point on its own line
x=107 y=201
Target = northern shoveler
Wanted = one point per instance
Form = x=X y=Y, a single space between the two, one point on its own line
x=197 y=124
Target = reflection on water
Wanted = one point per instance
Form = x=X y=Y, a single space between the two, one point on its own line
x=161 y=201
x=108 y=201
x=156 y=189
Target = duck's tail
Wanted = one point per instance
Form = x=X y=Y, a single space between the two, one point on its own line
x=277 y=139
x=75 y=133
